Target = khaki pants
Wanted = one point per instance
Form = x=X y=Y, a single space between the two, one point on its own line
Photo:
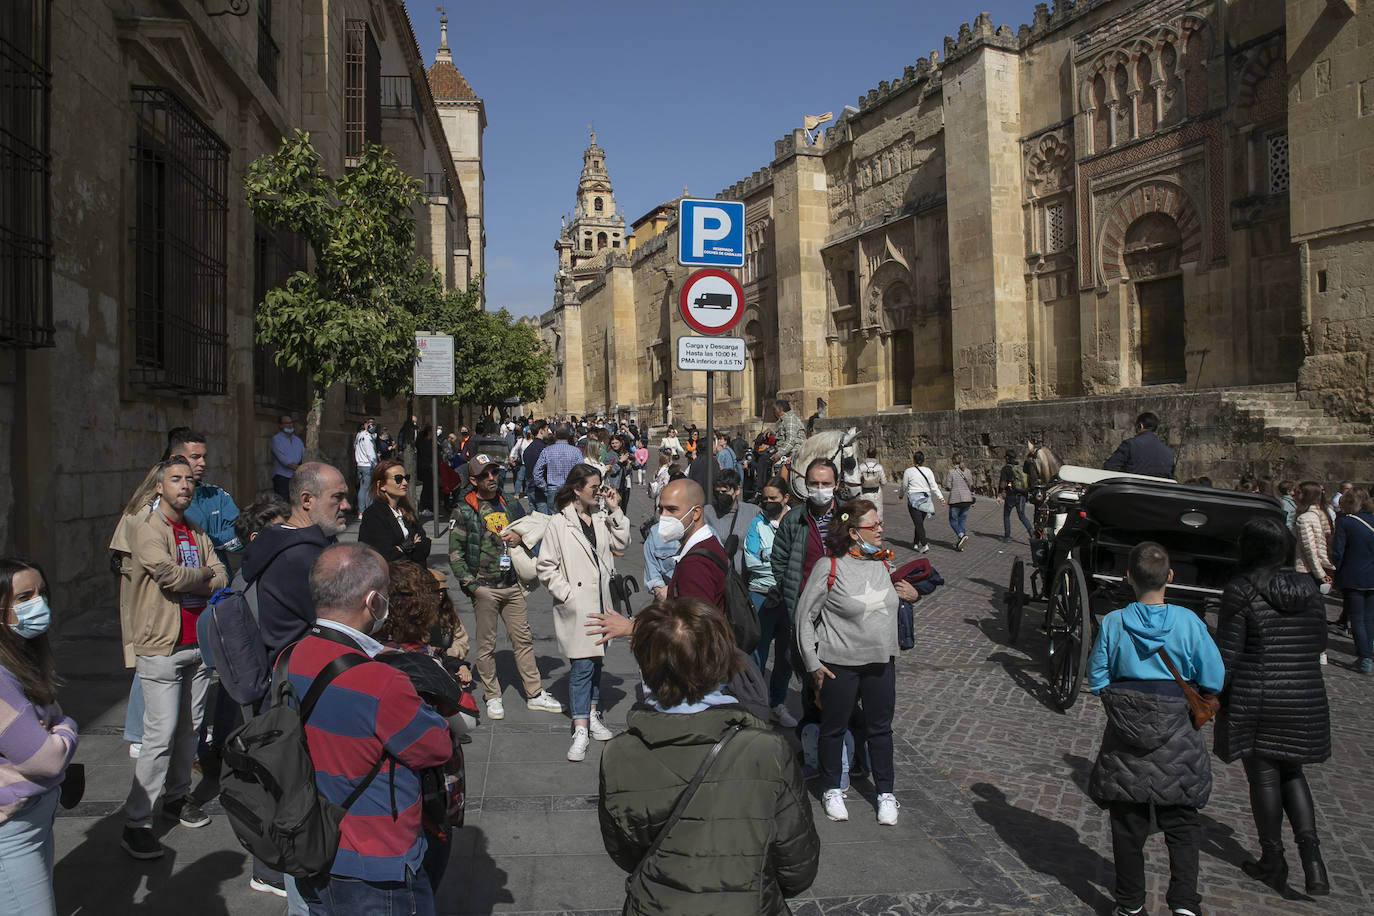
x=509 y=605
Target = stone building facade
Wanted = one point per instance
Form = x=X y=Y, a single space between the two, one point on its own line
x=1102 y=201
x=131 y=261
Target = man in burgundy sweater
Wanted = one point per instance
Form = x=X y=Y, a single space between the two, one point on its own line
x=694 y=575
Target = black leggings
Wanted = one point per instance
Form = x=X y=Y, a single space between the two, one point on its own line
x=1276 y=788
x=918 y=518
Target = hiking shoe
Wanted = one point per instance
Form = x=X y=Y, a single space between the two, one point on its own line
x=495 y=708
x=834 y=805
x=887 y=809
x=543 y=702
x=140 y=843
x=597 y=728
x=577 y=752
x=267 y=886
x=135 y=748
x=186 y=812
x=782 y=717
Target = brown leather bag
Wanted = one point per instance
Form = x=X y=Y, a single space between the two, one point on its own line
x=1201 y=706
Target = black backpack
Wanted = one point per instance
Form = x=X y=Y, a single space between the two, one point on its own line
x=269 y=792
x=739 y=610
x=228 y=628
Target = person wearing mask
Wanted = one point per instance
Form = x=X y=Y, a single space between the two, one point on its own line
x=175 y=572
x=576 y=562
x=1012 y=485
x=288 y=451
x=847 y=634
x=1274 y=716
x=389 y=524
x=959 y=483
x=800 y=539
x=37 y=742
x=919 y=489
x=1143 y=453
x=775 y=629
x=726 y=459
x=365 y=457
x=671 y=444
x=1312 y=531
x=730 y=516
x=1352 y=553
x=752 y=794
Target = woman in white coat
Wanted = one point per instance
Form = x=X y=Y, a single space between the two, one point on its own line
x=575 y=564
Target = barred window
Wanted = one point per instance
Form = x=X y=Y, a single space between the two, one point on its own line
x=180 y=317
x=1056 y=239
x=276 y=256
x=1278 y=163
x=25 y=174
x=362 y=90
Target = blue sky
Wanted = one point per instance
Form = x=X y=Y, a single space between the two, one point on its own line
x=681 y=94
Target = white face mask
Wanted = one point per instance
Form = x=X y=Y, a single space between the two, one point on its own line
x=376 y=622
x=671 y=529
x=820 y=497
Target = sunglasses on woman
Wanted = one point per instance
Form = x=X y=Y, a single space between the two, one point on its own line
x=399 y=478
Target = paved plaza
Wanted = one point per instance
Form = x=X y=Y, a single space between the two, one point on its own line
x=994 y=818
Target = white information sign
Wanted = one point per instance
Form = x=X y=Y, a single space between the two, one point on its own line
x=714 y=354
x=434 y=365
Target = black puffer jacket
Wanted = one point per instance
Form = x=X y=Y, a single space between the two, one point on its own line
x=1150 y=751
x=1271 y=633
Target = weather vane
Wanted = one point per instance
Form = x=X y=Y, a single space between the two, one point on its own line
x=591 y=130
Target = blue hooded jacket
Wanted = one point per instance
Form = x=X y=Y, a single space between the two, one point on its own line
x=1129 y=639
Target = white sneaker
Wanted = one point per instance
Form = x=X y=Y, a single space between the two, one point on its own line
x=887 y=809
x=834 y=805
x=544 y=702
x=1321 y=659
x=495 y=708
x=783 y=717
x=578 y=751
x=135 y=748
x=597 y=728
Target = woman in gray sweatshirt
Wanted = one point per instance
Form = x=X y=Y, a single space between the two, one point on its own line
x=847 y=628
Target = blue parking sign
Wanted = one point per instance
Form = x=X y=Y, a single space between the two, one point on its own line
x=710 y=233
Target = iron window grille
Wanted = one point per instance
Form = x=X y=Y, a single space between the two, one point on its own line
x=267 y=46
x=362 y=90
x=26 y=250
x=399 y=92
x=277 y=254
x=180 y=315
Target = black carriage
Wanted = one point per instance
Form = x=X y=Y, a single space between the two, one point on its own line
x=1086 y=523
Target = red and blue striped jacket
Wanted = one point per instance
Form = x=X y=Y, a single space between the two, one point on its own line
x=365 y=711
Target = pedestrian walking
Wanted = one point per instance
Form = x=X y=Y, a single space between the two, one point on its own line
x=847 y=634
x=1352 y=553
x=576 y=562
x=871 y=478
x=389 y=524
x=745 y=840
x=37 y=742
x=1274 y=716
x=288 y=451
x=365 y=457
x=919 y=489
x=1013 y=483
x=619 y=469
x=959 y=483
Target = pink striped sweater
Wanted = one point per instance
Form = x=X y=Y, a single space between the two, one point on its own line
x=36 y=744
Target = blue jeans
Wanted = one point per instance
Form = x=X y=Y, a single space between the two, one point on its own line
x=1016 y=501
x=775 y=629
x=336 y=895
x=1360 y=602
x=519 y=485
x=133 y=715
x=364 y=484
x=584 y=685
x=539 y=501
x=957 y=515
x=26 y=853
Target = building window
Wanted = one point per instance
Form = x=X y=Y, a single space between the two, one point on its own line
x=362 y=90
x=181 y=171
x=600 y=240
x=1056 y=238
x=586 y=244
x=25 y=174
x=276 y=256
x=1278 y=163
x=597 y=205
x=267 y=46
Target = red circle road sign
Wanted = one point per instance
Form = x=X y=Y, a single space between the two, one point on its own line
x=711 y=301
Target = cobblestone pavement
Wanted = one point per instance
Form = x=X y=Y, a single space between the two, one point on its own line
x=994 y=816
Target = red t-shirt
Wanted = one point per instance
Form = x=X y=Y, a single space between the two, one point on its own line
x=191 y=605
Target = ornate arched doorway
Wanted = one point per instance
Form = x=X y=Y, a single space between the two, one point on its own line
x=1150 y=252
x=897 y=313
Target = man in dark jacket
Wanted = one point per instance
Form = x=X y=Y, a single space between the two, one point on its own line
x=279 y=558
x=1152 y=757
x=1143 y=453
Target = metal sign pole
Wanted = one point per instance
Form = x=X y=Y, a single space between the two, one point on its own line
x=434 y=460
x=710 y=437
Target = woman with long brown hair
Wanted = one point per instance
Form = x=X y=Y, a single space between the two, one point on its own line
x=36 y=742
x=390 y=525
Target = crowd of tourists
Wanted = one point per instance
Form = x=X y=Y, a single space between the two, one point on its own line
x=766 y=569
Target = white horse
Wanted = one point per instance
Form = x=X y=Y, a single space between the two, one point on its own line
x=835 y=444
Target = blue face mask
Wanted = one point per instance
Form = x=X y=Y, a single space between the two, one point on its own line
x=866 y=548
x=32 y=617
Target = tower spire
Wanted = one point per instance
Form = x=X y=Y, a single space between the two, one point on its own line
x=443 y=53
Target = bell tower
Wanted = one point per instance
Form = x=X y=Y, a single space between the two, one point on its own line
x=597 y=227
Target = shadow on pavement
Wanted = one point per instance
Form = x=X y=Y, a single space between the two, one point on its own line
x=1045 y=845
x=1019 y=670
x=473 y=883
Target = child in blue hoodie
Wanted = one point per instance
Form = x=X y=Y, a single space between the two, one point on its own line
x=1152 y=759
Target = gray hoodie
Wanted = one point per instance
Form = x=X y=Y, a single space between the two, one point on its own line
x=854 y=620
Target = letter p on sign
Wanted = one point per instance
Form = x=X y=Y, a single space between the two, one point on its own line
x=711 y=233
x=709 y=224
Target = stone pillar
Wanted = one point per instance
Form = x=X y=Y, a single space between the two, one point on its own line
x=574 y=365
x=983 y=184
x=800 y=223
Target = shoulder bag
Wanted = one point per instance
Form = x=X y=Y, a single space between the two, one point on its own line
x=682 y=801
x=1201 y=706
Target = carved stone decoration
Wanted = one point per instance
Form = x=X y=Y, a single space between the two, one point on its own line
x=1049 y=167
x=1133 y=219
x=232 y=7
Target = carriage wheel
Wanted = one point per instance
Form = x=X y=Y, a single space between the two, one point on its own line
x=1016 y=598
x=1070 y=632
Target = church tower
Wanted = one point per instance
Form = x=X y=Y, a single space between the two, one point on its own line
x=597 y=229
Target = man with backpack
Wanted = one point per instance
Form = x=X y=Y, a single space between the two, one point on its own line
x=1012 y=484
x=872 y=479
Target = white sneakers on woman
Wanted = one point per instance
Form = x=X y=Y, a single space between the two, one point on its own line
x=887 y=809
x=597 y=728
x=835 y=808
x=834 y=805
x=578 y=751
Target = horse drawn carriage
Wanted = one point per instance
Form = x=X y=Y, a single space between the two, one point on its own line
x=1086 y=523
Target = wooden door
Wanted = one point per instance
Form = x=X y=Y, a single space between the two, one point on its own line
x=1161 y=331
x=903 y=366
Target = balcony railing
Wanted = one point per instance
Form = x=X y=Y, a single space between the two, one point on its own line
x=437 y=185
x=400 y=92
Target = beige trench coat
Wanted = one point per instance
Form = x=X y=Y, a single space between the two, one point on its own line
x=578 y=576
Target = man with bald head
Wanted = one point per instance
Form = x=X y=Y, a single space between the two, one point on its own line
x=279 y=558
x=700 y=568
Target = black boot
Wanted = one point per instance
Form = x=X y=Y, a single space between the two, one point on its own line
x=1271 y=868
x=1313 y=869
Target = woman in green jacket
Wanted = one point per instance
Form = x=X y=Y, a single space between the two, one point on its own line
x=746 y=841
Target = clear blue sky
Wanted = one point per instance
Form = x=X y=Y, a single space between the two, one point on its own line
x=681 y=93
